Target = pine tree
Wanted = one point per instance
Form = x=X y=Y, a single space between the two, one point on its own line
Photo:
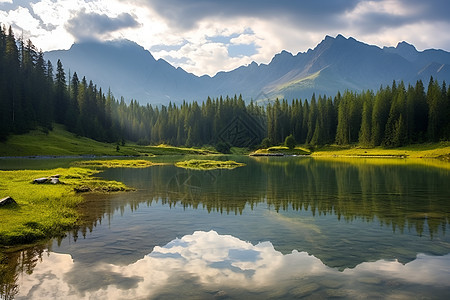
x=61 y=102
x=312 y=119
x=343 y=127
x=380 y=115
x=398 y=109
x=365 y=138
x=435 y=114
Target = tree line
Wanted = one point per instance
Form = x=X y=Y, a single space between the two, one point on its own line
x=33 y=94
x=394 y=116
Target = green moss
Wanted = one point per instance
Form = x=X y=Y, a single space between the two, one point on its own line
x=45 y=210
x=198 y=164
x=436 y=150
x=171 y=150
x=281 y=150
x=115 y=163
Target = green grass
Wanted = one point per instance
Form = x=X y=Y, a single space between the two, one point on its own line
x=282 y=150
x=239 y=151
x=114 y=163
x=172 y=150
x=435 y=150
x=307 y=81
x=432 y=150
x=60 y=142
x=45 y=210
x=198 y=164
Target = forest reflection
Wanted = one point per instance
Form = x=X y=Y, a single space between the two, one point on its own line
x=394 y=192
x=14 y=264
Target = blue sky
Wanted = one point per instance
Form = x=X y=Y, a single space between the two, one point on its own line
x=208 y=36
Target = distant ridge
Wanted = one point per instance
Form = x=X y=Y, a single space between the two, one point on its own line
x=335 y=64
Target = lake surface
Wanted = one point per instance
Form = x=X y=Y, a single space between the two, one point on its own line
x=279 y=228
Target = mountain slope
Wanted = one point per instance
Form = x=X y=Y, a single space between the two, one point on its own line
x=128 y=69
x=335 y=64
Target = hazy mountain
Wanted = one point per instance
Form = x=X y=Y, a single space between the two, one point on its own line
x=334 y=64
x=129 y=70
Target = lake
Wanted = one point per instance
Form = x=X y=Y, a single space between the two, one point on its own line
x=280 y=227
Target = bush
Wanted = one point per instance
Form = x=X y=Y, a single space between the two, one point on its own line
x=266 y=143
x=290 y=142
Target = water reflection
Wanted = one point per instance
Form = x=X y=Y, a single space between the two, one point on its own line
x=362 y=227
x=404 y=196
x=343 y=213
x=210 y=265
x=14 y=264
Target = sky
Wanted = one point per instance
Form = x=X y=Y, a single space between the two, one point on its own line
x=208 y=36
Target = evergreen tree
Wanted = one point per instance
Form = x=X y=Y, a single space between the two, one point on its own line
x=435 y=99
x=380 y=115
x=312 y=119
x=61 y=102
x=365 y=138
x=397 y=111
x=343 y=127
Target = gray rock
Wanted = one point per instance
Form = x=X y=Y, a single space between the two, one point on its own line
x=54 y=180
x=7 y=201
x=40 y=180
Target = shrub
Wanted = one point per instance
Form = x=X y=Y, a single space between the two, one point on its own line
x=290 y=142
x=266 y=143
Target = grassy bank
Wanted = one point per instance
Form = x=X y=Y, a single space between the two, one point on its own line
x=436 y=150
x=60 y=142
x=172 y=150
x=114 y=163
x=198 y=164
x=57 y=142
x=45 y=210
x=281 y=150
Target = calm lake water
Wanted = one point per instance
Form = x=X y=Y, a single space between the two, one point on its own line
x=277 y=228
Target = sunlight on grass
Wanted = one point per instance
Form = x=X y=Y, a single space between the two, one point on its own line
x=164 y=149
x=198 y=164
x=437 y=150
x=115 y=163
x=45 y=210
x=282 y=150
x=58 y=142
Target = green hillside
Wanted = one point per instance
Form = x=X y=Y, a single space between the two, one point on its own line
x=60 y=142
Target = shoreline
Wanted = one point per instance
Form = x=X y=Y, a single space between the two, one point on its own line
x=82 y=156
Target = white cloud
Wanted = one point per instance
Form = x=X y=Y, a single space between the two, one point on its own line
x=384 y=22
x=27 y=21
x=211 y=263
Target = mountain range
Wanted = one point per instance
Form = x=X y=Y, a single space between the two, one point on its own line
x=335 y=64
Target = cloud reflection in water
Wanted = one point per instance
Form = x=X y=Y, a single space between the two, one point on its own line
x=207 y=265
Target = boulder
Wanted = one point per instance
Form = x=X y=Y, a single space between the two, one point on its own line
x=54 y=180
x=41 y=180
x=7 y=201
